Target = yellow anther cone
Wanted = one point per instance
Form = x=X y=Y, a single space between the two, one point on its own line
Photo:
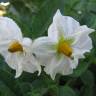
x=15 y=46
x=65 y=48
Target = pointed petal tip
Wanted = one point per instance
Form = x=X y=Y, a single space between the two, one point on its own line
x=18 y=72
x=17 y=76
x=39 y=70
x=93 y=30
x=53 y=78
x=88 y=28
x=58 y=12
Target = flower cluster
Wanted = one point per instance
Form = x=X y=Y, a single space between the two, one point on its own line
x=58 y=52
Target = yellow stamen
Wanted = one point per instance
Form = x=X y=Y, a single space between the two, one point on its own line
x=2 y=10
x=65 y=48
x=2 y=13
x=15 y=46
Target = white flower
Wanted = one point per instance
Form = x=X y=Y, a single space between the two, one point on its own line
x=3 y=7
x=67 y=41
x=5 y=4
x=16 y=50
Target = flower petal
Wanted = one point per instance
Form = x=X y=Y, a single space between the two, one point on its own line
x=62 y=26
x=44 y=58
x=83 y=43
x=31 y=65
x=11 y=60
x=74 y=62
x=27 y=42
x=44 y=46
x=9 y=30
x=58 y=65
x=15 y=62
x=82 y=30
x=22 y=62
x=19 y=69
x=4 y=48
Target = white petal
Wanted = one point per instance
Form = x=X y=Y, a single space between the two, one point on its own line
x=58 y=65
x=53 y=33
x=15 y=62
x=83 y=43
x=5 y=4
x=9 y=30
x=4 y=48
x=19 y=69
x=21 y=62
x=44 y=46
x=11 y=60
x=31 y=65
x=78 y=53
x=82 y=30
x=74 y=62
x=27 y=42
x=62 y=26
x=44 y=59
x=44 y=49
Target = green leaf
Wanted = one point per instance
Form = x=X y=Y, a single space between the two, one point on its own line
x=66 y=91
x=36 y=15
x=7 y=79
x=89 y=83
x=5 y=90
x=87 y=91
x=34 y=18
x=82 y=67
x=88 y=78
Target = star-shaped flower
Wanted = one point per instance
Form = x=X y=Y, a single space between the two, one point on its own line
x=67 y=41
x=16 y=49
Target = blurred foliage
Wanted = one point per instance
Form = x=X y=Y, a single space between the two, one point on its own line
x=34 y=17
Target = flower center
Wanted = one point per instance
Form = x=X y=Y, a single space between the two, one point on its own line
x=65 y=48
x=2 y=10
x=15 y=46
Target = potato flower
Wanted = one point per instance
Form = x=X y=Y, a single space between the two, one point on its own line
x=3 y=7
x=16 y=49
x=66 y=42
